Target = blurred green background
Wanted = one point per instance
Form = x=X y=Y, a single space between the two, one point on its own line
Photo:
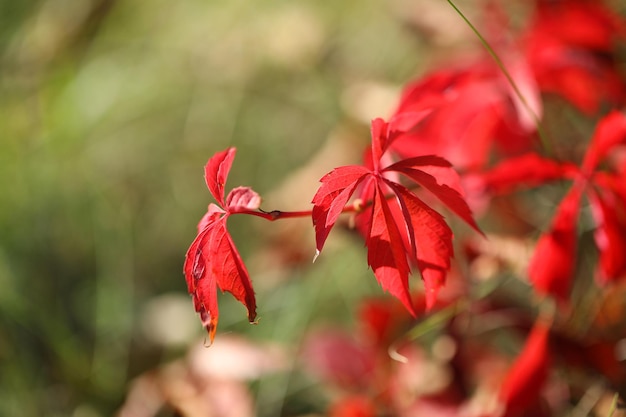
x=108 y=111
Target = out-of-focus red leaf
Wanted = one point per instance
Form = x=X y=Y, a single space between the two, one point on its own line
x=523 y=383
x=610 y=132
x=338 y=358
x=610 y=236
x=568 y=45
x=552 y=264
x=332 y=196
x=526 y=170
x=581 y=23
x=216 y=171
x=445 y=186
x=467 y=110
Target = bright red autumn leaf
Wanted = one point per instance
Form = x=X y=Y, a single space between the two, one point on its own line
x=551 y=266
x=400 y=229
x=212 y=260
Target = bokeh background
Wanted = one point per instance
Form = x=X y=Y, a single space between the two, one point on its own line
x=109 y=110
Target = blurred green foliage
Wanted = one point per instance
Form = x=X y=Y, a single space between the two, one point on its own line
x=108 y=111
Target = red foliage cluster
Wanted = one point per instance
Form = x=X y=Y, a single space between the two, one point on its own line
x=482 y=119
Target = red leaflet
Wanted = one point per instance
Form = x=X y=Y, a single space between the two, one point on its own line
x=610 y=235
x=336 y=189
x=569 y=45
x=212 y=260
x=528 y=170
x=552 y=264
x=610 y=132
x=524 y=381
x=399 y=228
x=437 y=176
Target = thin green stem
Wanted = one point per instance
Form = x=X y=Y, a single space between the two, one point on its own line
x=541 y=132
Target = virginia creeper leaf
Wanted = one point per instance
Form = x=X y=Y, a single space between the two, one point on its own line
x=212 y=260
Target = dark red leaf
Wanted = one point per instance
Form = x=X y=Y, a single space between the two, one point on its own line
x=552 y=265
x=524 y=381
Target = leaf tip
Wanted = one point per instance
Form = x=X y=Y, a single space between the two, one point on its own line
x=317 y=253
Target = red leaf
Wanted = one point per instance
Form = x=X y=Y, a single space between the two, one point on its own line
x=552 y=265
x=332 y=196
x=212 y=260
x=610 y=236
x=524 y=381
x=445 y=185
x=527 y=170
x=397 y=230
x=430 y=239
x=241 y=199
x=610 y=132
x=385 y=251
x=216 y=171
x=379 y=140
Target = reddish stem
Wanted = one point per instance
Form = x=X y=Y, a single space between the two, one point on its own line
x=278 y=215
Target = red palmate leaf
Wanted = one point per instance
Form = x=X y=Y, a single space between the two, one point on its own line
x=524 y=381
x=398 y=227
x=212 y=260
